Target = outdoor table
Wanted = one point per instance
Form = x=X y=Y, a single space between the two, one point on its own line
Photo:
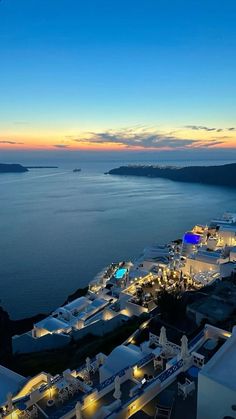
x=210 y=344
x=50 y=402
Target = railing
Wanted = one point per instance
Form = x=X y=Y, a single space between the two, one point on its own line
x=160 y=378
x=66 y=408
x=20 y=403
x=110 y=380
x=167 y=373
x=173 y=346
x=145 y=360
x=84 y=366
x=122 y=372
x=118 y=409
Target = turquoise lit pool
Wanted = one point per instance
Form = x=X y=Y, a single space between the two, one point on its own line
x=120 y=273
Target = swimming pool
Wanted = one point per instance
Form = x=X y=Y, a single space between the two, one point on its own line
x=120 y=273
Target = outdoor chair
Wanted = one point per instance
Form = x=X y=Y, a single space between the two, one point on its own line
x=26 y=414
x=163 y=412
x=186 y=388
x=158 y=363
x=71 y=390
x=165 y=404
x=34 y=412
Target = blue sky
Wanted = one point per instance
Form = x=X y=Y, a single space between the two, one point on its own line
x=70 y=67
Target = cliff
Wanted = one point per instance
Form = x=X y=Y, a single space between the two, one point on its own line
x=224 y=175
x=12 y=168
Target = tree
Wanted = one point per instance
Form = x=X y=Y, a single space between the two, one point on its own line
x=171 y=305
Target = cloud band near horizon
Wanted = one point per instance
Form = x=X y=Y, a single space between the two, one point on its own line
x=190 y=137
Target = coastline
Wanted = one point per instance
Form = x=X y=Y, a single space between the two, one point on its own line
x=223 y=175
x=176 y=289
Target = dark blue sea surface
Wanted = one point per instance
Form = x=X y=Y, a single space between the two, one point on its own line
x=59 y=228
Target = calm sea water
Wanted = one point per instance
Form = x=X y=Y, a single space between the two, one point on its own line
x=59 y=228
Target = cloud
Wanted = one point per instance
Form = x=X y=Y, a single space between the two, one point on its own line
x=9 y=142
x=145 y=139
x=200 y=128
x=213 y=143
x=204 y=128
x=61 y=145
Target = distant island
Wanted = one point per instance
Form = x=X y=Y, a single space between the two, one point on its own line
x=18 y=168
x=224 y=175
x=12 y=168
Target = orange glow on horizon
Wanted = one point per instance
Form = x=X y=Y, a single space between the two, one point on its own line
x=119 y=140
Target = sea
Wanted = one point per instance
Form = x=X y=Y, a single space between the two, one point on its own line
x=58 y=228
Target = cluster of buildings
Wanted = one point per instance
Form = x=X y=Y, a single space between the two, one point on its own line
x=204 y=255
x=156 y=378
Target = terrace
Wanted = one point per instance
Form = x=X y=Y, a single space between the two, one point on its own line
x=173 y=397
x=158 y=370
x=148 y=371
x=180 y=393
x=170 y=399
x=144 y=291
x=210 y=347
x=62 y=401
x=108 y=399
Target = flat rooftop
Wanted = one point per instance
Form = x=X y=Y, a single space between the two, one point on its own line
x=10 y=382
x=213 y=307
x=221 y=368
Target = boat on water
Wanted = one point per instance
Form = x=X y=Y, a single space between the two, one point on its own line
x=76 y=170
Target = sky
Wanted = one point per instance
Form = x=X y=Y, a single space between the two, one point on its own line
x=117 y=75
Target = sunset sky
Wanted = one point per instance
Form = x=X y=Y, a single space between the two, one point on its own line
x=117 y=74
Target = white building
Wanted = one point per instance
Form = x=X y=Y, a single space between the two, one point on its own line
x=202 y=261
x=132 y=377
x=50 y=325
x=227 y=235
x=121 y=357
x=233 y=254
x=56 y=330
x=228 y=218
x=10 y=382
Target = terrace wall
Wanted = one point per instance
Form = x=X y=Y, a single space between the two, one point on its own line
x=193 y=266
x=135 y=309
x=100 y=328
x=26 y=343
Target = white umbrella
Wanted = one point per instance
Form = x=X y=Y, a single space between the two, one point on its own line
x=184 y=352
x=78 y=410
x=67 y=376
x=9 y=401
x=88 y=364
x=100 y=358
x=162 y=338
x=49 y=380
x=117 y=392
